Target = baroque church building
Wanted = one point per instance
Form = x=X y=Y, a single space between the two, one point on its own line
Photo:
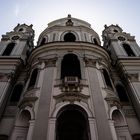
x=69 y=86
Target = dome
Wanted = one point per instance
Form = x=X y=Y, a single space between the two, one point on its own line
x=68 y=29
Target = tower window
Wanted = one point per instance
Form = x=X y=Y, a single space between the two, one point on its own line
x=20 y=30
x=69 y=37
x=16 y=94
x=128 y=50
x=33 y=78
x=122 y=93
x=8 y=49
x=107 y=78
x=70 y=66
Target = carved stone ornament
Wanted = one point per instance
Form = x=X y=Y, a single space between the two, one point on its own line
x=112 y=100
x=6 y=76
x=69 y=21
x=90 y=62
x=134 y=77
x=71 y=96
x=50 y=62
x=29 y=97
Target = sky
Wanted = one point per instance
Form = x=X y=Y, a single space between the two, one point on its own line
x=125 y=13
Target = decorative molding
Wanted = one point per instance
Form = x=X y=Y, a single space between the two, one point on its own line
x=71 y=96
x=134 y=77
x=50 y=62
x=129 y=111
x=90 y=62
x=6 y=76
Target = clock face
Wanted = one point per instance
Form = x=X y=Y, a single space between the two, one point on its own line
x=121 y=38
x=15 y=37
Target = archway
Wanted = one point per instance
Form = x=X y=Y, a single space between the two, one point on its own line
x=72 y=124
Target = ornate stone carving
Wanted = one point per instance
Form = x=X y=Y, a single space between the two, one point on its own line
x=69 y=22
x=29 y=97
x=112 y=99
x=134 y=77
x=90 y=62
x=50 y=62
x=71 y=96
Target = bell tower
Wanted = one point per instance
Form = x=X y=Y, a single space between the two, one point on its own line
x=15 y=47
x=17 y=43
x=125 y=55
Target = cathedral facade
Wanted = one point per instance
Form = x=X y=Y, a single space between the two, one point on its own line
x=69 y=86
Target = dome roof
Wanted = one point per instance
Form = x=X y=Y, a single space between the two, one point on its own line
x=69 y=21
x=74 y=28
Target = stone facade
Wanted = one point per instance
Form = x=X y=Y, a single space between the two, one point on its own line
x=69 y=86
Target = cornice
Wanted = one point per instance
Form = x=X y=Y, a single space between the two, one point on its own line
x=58 y=46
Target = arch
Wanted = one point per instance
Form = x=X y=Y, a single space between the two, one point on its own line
x=3 y=137
x=70 y=66
x=33 y=78
x=118 y=118
x=107 y=78
x=9 y=49
x=16 y=94
x=43 y=41
x=69 y=37
x=66 y=33
x=72 y=123
x=128 y=50
x=122 y=93
x=63 y=104
x=23 y=118
x=136 y=136
x=95 y=41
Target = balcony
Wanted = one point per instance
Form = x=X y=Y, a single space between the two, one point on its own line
x=71 y=83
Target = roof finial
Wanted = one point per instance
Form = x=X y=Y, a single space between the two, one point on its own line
x=69 y=15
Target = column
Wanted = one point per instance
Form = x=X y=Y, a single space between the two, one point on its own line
x=30 y=130
x=51 y=129
x=114 y=135
x=42 y=115
x=104 y=132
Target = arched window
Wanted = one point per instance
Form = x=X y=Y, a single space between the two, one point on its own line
x=107 y=78
x=33 y=78
x=95 y=41
x=122 y=93
x=72 y=124
x=16 y=94
x=8 y=49
x=43 y=41
x=69 y=37
x=70 y=66
x=128 y=50
x=118 y=118
x=3 y=137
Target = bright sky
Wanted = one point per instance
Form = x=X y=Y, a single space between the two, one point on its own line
x=125 y=13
